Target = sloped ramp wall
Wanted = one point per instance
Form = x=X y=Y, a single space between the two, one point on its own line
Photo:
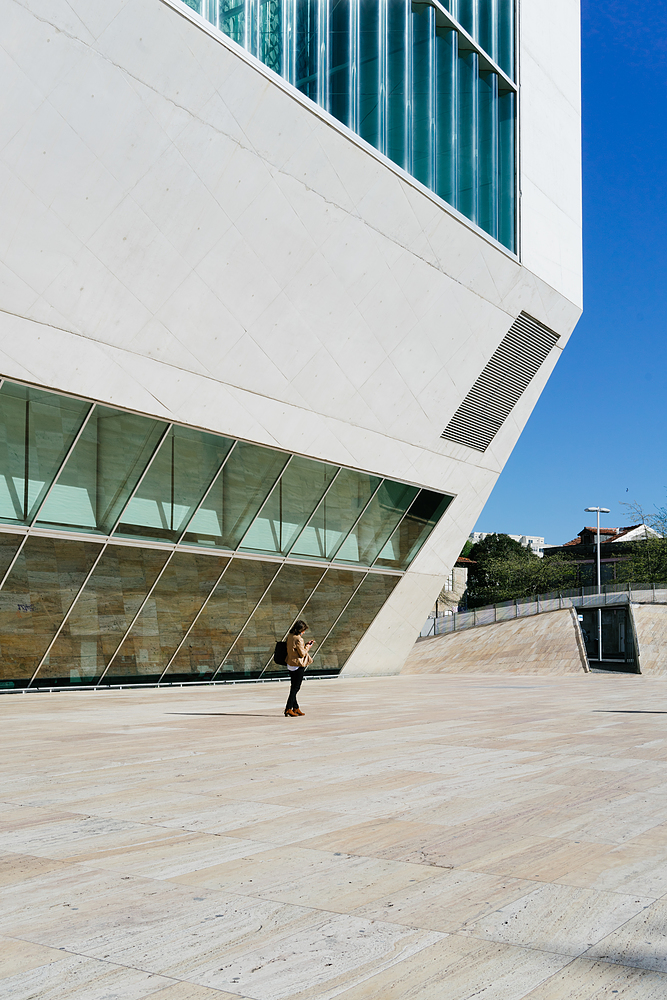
x=650 y=622
x=545 y=644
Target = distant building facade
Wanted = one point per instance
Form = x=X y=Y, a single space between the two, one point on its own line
x=616 y=546
x=533 y=542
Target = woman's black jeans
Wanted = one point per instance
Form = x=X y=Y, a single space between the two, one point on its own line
x=295 y=676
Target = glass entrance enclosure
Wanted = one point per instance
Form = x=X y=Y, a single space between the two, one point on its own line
x=429 y=84
x=135 y=550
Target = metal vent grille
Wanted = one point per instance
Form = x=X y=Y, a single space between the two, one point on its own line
x=507 y=375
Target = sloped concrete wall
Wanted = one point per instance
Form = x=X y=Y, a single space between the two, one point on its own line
x=545 y=644
x=650 y=621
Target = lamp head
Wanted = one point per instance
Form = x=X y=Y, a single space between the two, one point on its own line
x=597 y=510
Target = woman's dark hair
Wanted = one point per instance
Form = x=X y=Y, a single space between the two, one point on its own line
x=298 y=627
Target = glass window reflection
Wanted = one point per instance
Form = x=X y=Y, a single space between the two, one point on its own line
x=335 y=515
x=175 y=483
x=425 y=512
x=322 y=609
x=102 y=615
x=273 y=617
x=245 y=481
x=165 y=618
x=355 y=621
x=37 y=429
x=37 y=595
x=386 y=71
x=230 y=606
x=102 y=471
x=292 y=501
x=377 y=523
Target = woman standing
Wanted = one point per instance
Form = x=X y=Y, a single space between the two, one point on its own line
x=298 y=658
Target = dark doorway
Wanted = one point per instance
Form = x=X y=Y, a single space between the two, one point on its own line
x=618 y=644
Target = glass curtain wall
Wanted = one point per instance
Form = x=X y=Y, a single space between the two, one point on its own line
x=430 y=85
x=149 y=552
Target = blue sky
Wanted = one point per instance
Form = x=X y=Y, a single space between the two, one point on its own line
x=597 y=435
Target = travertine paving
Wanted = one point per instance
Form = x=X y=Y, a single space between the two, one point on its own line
x=411 y=838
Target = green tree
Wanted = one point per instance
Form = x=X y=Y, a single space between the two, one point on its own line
x=504 y=570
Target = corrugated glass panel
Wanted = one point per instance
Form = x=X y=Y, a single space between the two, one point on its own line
x=275 y=614
x=246 y=479
x=446 y=135
x=232 y=19
x=230 y=606
x=102 y=615
x=174 y=485
x=37 y=595
x=102 y=471
x=355 y=621
x=165 y=618
x=388 y=69
x=341 y=73
x=305 y=47
x=398 y=86
x=506 y=36
x=377 y=523
x=487 y=27
x=368 y=71
x=423 y=95
x=336 y=514
x=292 y=501
x=426 y=510
x=487 y=202
x=506 y=155
x=37 y=429
x=467 y=134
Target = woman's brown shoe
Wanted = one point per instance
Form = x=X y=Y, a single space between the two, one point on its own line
x=297 y=711
x=290 y=712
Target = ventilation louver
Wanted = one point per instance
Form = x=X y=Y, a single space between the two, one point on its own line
x=507 y=375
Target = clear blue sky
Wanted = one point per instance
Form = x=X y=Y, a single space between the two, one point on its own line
x=598 y=433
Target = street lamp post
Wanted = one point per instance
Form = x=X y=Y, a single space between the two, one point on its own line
x=598 y=511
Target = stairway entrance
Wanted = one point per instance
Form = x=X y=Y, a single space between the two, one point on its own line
x=618 y=644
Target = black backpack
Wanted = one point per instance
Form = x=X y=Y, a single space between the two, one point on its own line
x=280 y=654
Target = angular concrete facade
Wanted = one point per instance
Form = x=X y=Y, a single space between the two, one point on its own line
x=188 y=237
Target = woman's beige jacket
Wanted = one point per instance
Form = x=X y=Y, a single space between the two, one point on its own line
x=297 y=654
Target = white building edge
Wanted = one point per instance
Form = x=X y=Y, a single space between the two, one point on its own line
x=187 y=236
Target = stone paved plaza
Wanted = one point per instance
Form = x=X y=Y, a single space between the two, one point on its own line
x=430 y=837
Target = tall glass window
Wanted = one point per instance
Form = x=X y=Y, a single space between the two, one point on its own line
x=292 y=500
x=164 y=553
x=38 y=593
x=166 y=616
x=238 y=493
x=37 y=430
x=203 y=651
x=175 y=483
x=102 y=471
x=102 y=614
x=424 y=85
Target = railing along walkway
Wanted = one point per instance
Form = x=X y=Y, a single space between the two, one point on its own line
x=581 y=597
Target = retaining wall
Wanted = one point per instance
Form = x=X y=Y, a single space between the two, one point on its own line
x=650 y=622
x=548 y=643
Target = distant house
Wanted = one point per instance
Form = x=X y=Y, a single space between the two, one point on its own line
x=613 y=542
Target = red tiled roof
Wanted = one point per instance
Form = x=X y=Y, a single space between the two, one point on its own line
x=464 y=561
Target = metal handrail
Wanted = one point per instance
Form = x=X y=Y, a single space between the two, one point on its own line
x=580 y=597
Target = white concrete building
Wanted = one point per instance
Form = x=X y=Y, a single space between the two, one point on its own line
x=279 y=281
x=533 y=542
